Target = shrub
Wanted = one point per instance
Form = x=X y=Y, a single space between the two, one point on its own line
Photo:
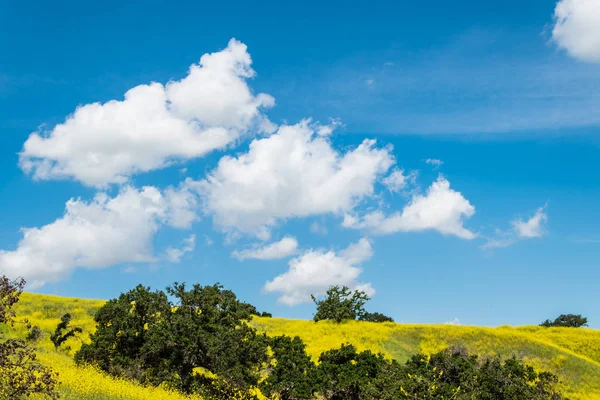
x=34 y=334
x=375 y=317
x=62 y=332
x=21 y=374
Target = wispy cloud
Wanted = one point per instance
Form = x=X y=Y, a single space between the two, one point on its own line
x=533 y=227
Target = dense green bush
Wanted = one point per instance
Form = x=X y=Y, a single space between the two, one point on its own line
x=144 y=336
x=567 y=321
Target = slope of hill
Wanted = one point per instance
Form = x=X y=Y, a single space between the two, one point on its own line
x=572 y=354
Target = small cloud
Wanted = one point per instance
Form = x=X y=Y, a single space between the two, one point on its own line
x=183 y=171
x=284 y=248
x=174 y=255
x=533 y=227
x=130 y=269
x=326 y=130
x=397 y=181
x=318 y=228
x=434 y=162
x=455 y=322
x=208 y=240
x=369 y=82
x=389 y=64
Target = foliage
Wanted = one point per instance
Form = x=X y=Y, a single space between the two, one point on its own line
x=340 y=304
x=62 y=331
x=454 y=374
x=568 y=321
x=375 y=317
x=571 y=354
x=21 y=374
x=293 y=371
x=35 y=333
x=265 y=314
x=142 y=335
x=345 y=374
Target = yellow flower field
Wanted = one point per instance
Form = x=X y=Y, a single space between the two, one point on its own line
x=572 y=354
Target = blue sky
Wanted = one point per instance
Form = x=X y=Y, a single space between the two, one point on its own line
x=442 y=157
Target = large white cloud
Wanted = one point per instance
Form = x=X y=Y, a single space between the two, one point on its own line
x=441 y=208
x=316 y=270
x=273 y=251
x=292 y=173
x=97 y=234
x=155 y=124
x=577 y=28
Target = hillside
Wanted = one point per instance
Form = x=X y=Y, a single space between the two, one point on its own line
x=572 y=354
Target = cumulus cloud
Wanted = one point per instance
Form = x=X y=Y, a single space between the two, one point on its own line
x=577 y=28
x=153 y=125
x=534 y=227
x=96 y=234
x=274 y=251
x=441 y=208
x=292 y=173
x=316 y=270
x=174 y=254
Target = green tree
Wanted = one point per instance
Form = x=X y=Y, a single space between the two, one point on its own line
x=455 y=374
x=567 y=320
x=340 y=304
x=345 y=374
x=21 y=374
x=62 y=331
x=292 y=372
x=145 y=336
x=375 y=317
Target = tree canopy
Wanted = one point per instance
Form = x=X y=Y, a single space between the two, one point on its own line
x=341 y=303
x=200 y=342
x=567 y=320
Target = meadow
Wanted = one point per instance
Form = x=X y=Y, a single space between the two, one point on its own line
x=572 y=354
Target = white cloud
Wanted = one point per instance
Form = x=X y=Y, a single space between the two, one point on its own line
x=441 y=209
x=577 y=28
x=96 y=234
x=397 y=181
x=533 y=227
x=435 y=162
x=174 y=254
x=316 y=270
x=293 y=173
x=318 y=228
x=455 y=321
x=154 y=125
x=130 y=269
x=274 y=251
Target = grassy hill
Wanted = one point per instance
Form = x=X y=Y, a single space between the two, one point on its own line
x=572 y=354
